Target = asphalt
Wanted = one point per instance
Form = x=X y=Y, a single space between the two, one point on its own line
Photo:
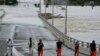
x=3 y=47
x=6 y=32
x=37 y=32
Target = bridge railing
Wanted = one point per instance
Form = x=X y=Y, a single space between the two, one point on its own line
x=83 y=44
x=68 y=41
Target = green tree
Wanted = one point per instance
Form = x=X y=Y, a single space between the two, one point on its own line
x=80 y=2
x=11 y=2
x=35 y=5
x=97 y=2
x=1 y=2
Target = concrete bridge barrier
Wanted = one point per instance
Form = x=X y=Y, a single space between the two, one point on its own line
x=68 y=41
x=2 y=15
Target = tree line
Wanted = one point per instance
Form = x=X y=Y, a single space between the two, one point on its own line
x=74 y=2
x=84 y=2
x=8 y=2
x=71 y=2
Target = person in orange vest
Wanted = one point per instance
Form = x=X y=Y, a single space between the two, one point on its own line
x=40 y=48
x=93 y=48
x=59 y=48
x=76 y=49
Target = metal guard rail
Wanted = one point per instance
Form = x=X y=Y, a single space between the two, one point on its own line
x=68 y=41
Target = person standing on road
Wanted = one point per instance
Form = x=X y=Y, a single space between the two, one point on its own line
x=76 y=49
x=10 y=46
x=59 y=48
x=40 y=48
x=93 y=48
x=31 y=45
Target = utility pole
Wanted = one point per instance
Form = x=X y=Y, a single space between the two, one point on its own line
x=52 y=12
x=40 y=7
x=45 y=10
x=66 y=19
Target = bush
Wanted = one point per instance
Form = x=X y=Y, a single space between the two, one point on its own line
x=11 y=2
x=1 y=2
x=35 y=5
